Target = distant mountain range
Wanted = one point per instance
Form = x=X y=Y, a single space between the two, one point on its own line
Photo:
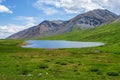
x=89 y=19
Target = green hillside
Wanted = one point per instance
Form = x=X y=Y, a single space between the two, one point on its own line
x=96 y=63
x=109 y=34
x=106 y=33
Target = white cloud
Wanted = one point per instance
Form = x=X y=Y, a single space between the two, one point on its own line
x=27 y=20
x=50 y=2
x=7 y=30
x=42 y=5
x=78 y=6
x=50 y=11
x=4 y=9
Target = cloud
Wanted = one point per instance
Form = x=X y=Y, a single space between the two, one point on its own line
x=4 y=9
x=43 y=5
x=26 y=20
x=77 y=6
x=7 y=30
x=50 y=11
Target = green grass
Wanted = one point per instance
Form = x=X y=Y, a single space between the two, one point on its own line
x=96 y=63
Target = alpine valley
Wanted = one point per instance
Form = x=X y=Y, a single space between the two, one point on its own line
x=89 y=63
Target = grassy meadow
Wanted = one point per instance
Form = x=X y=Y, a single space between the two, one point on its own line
x=95 y=63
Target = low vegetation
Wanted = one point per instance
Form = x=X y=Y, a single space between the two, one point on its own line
x=96 y=63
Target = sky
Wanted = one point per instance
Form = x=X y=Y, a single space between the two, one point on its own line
x=17 y=15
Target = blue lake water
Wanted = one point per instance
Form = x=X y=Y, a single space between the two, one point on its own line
x=60 y=44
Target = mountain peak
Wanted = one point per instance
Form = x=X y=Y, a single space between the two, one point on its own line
x=94 y=17
x=104 y=12
x=99 y=13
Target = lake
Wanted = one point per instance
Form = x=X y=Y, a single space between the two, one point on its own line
x=60 y=44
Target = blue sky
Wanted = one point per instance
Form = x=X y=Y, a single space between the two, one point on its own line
x=16 y=15
x=26 y=8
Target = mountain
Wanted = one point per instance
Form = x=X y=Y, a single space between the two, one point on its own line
x=93 y=18
x=43 y=29
x=86 y=20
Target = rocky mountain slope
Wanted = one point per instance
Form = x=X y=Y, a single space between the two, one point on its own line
x=86 y=20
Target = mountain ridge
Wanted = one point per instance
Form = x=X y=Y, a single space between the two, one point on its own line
x=89 y=19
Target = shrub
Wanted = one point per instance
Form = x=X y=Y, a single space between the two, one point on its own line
x=20 y=57
x=79 y=64
x=24 y=72
x=47 y=60
x=17 y=65
x=75 y=70
x=77 y=73
x=99 y=73
x=63 y=63
x=58 y=62
x=43 y=66
x=113 y=74
x=94 y=70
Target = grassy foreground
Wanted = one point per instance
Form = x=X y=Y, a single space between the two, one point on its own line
x=97 y=63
